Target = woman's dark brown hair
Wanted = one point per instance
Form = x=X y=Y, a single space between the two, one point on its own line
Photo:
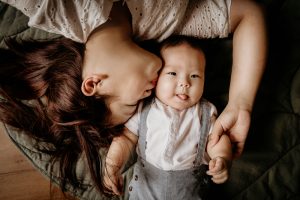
x=48 y=73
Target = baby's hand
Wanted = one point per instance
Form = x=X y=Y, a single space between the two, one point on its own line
x=113 y=180
x=218 y=169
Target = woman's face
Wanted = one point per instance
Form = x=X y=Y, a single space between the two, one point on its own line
x=129 y=75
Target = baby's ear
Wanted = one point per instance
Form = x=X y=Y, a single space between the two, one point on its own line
x=89 y=84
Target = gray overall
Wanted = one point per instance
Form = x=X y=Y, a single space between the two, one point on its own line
x=150 y=183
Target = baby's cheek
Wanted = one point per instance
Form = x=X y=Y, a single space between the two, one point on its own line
x=163 y=90
x=196 y=94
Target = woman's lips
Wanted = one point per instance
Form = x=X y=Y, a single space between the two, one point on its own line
x=154 y=82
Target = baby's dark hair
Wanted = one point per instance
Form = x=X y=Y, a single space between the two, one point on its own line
x=49 y=75
x=175 y=40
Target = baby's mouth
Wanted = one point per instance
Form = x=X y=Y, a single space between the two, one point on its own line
x=182 y=96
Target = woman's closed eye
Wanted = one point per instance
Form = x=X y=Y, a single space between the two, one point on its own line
x=132 y=105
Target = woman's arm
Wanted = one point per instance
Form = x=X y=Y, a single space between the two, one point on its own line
x=249 y=57
x=249 y=51
x=118 y=154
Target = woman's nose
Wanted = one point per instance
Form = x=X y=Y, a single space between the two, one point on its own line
x=156 y=63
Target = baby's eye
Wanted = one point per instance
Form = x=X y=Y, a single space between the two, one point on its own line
x=195 y=76
x=172 y=73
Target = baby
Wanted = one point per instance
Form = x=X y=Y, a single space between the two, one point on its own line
x=171 y=132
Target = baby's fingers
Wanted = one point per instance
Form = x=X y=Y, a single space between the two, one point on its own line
x=120 y=185
x=112 y=183
x=216 y=165
x=220 y=178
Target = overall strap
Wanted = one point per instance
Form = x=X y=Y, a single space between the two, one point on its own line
x=204 y=115
x=142 y=130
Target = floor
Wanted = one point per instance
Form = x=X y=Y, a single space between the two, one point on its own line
x=19 y=180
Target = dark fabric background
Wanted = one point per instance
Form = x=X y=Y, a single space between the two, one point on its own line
x=269 y=167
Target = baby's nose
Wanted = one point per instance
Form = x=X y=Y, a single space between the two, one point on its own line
x=184 y=84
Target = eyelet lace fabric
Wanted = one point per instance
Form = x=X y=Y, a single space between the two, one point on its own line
x=158 y=19
x=155 y=19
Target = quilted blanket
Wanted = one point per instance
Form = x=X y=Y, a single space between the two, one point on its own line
x=269 y=167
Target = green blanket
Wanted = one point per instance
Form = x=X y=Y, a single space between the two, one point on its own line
x=269 y=167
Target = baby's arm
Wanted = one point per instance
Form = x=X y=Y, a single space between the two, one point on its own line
x=249 y=57
x=119 y=152
x=221 y=156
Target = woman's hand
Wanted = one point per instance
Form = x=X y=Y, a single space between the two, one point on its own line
x=234 y=122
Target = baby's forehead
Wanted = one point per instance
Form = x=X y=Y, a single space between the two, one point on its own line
x=182 y=49
x=183 y=58
x=182 y=44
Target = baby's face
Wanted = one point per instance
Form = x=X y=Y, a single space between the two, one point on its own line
x=180 y=83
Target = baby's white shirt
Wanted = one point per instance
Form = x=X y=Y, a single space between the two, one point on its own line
x=151 y=19
x=172 y=137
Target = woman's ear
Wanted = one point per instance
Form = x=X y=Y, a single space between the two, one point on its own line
x=89 y=84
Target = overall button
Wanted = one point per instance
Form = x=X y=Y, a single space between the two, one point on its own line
x=136 y=177
x=130 y=188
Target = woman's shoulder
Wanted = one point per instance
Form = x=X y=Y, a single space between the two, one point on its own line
x=72 y=19
x=206 y=19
